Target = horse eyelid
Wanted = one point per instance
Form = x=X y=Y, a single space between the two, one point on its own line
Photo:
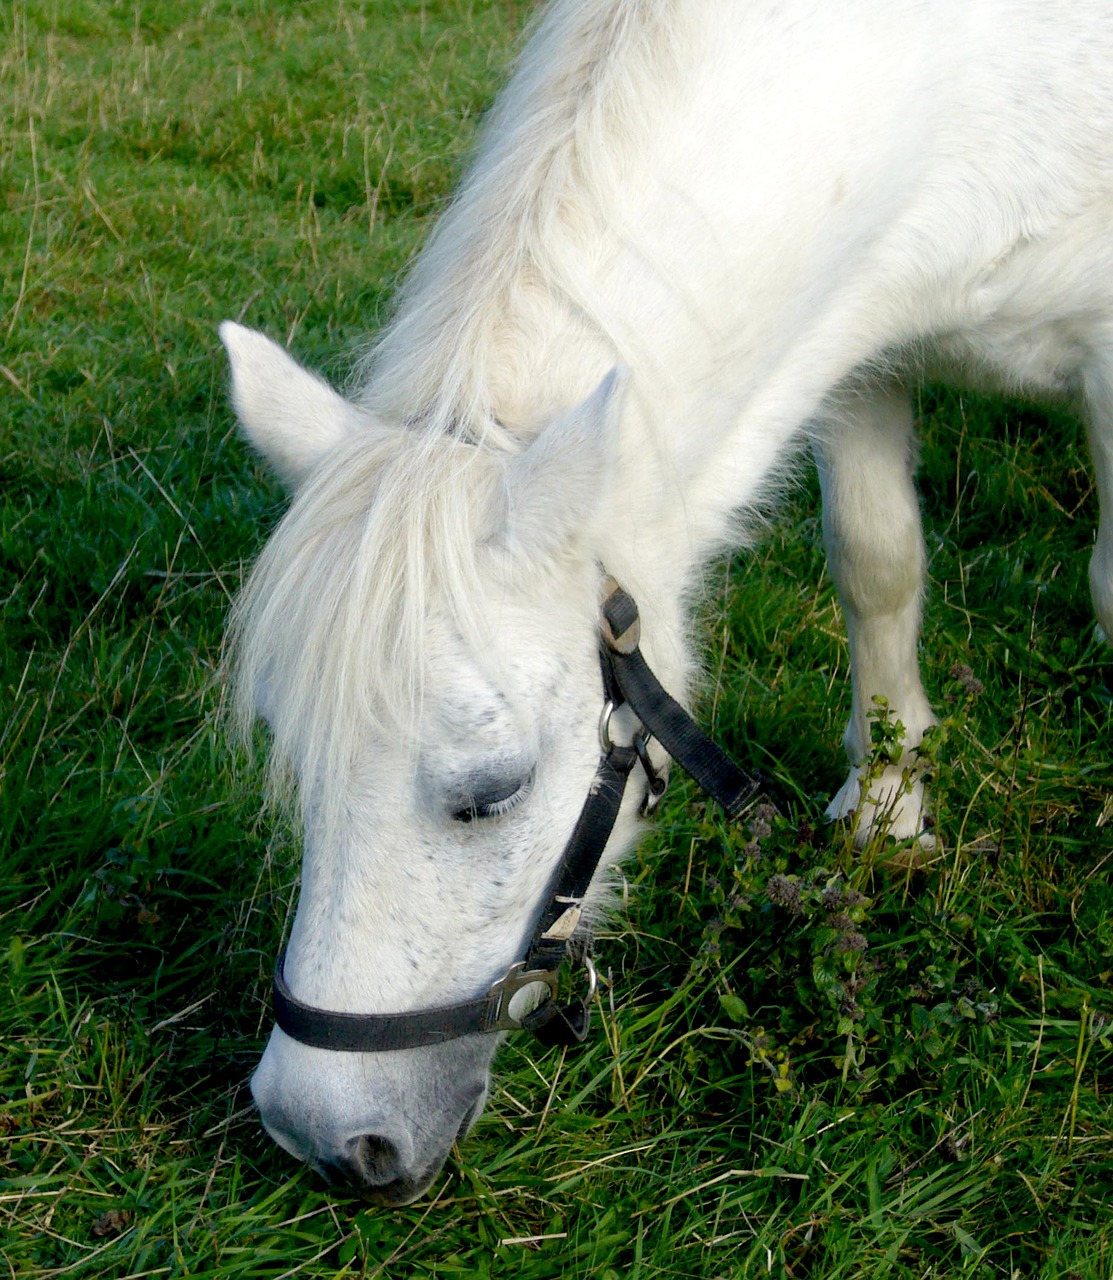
x=478 y=809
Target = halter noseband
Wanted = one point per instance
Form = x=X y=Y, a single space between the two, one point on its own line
x=627 y=679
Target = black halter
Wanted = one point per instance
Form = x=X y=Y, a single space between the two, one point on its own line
x=626 y=679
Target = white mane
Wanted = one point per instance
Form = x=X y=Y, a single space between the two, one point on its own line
x=509 y=264
x=385 y=530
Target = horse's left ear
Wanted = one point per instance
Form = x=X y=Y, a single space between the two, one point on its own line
x=556 y=487
x=290 y=415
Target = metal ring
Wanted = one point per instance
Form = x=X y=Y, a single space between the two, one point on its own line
x=592 y=980
x=605 y=740
x=503 y=991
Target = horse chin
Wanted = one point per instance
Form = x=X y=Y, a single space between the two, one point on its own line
x=400 y=1194
x=361 y=1183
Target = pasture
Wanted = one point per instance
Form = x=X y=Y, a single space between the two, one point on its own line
x=802 y=1064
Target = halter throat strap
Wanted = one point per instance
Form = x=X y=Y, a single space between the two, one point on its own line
x=627 y=679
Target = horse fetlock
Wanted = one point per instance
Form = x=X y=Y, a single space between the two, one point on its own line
x=892 y=803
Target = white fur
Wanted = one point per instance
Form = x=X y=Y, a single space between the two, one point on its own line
x=292 y=417
x=772 y=215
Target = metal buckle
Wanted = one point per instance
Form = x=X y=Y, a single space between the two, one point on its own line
x=517 y=977
x=508 y=986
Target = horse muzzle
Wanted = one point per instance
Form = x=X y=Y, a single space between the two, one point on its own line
x=383 y=1124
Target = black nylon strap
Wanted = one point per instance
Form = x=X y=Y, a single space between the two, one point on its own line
x=668 y=722
x=375 y=1032
x=581 y=854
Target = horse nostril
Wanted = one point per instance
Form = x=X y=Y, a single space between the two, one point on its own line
x=375 y=1160
x=370 y=1163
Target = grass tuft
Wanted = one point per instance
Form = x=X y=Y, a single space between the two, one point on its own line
x=804 y=1064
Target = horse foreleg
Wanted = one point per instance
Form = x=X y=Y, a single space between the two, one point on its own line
x=1098 y=390
x=875 y=553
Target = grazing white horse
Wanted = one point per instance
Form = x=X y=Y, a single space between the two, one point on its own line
x=769 y=218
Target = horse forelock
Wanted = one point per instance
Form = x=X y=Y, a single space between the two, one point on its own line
x=329 y=637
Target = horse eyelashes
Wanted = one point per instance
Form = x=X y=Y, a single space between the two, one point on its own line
x=494 y=802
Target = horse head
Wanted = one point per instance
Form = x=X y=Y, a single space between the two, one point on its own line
x=420 y=634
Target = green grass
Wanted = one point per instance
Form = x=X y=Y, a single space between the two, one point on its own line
x=801 y=1066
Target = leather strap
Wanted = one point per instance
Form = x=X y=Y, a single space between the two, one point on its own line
x=560 y=916
x=667 y=720
x=374 y=1032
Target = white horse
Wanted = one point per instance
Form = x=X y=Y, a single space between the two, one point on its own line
x=769 y=218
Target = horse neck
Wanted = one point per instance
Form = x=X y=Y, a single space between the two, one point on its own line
x=565 y=253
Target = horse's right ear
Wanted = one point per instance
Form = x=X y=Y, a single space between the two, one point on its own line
x=290 y=415
x=557 y=487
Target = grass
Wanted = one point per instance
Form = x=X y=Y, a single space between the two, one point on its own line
x=801 y=1066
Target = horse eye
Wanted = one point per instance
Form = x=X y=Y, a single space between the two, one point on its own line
x=493 y=801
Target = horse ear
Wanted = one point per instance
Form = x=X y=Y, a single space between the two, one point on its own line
x=557 y=485
x=292 y=417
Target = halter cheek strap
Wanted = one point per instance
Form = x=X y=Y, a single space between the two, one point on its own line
x=627 y=679
x=661 y=715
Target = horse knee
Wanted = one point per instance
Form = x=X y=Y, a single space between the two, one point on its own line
x=871 y=513
x=875 y=554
